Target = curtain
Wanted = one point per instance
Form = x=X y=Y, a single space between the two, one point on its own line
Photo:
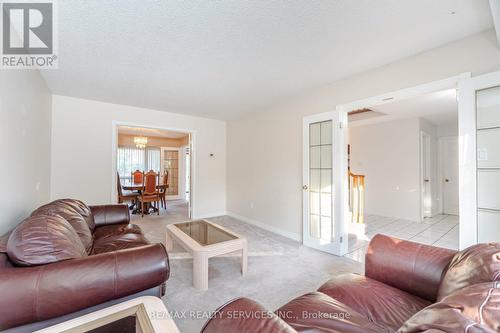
x=153 y=159
x=132 y=158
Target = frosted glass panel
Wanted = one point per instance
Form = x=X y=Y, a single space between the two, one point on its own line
x=326 y=181
x=315 y=203
x=326 y=133
x=320 y=180
x=315 y=185
x=488 y=148
x=314 y=226
x=488 y=226
x=326 y=204
x=488 y=189
x=315 y=134
x=315 y=157
x=488 y=108
x=326 y=157
x=326 y=228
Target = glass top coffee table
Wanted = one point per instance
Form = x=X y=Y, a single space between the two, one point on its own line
x=146 y=314
x=203 y=240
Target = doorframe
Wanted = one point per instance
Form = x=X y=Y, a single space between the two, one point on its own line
x=192 y=212
x=415 y=91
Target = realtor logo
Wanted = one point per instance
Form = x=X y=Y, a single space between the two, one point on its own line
x=28 y=35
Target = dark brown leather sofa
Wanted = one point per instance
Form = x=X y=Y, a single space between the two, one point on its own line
x=407 y=288
x=68 y=259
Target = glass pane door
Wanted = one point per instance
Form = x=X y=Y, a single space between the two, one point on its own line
x=488 y=164
x=320 y=175
x=325 y=204
x=171 y=164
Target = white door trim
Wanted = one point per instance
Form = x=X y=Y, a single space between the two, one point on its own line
x=402 y=94
x=114 y=147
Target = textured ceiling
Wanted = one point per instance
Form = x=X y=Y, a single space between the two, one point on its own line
x=222 y=59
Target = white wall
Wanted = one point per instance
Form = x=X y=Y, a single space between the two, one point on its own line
x=25 y=110
x=447 y=130
x=265 y=149
x=388 y=155
x=82 y=151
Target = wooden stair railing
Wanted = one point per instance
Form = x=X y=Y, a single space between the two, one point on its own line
x=357 y=197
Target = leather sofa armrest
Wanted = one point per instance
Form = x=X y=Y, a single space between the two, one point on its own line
x=31 y=294
x=110 y=214
x=413 y=267
x=242 y=315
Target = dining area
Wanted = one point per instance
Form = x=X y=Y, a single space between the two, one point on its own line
x=144 y=192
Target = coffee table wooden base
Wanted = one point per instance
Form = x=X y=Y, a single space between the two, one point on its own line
x=201 y=254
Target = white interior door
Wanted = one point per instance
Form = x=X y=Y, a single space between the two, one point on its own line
x=449 y=174
x=479 y=159
x=325 y=182
x=425 y=160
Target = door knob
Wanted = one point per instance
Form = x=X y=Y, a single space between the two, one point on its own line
x=447 y=180
x=305 y=187
x=426 y=180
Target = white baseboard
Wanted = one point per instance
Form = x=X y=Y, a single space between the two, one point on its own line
x=207 y=216
x=287 y=234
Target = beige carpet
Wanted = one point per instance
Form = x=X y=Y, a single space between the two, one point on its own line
x=279 y=269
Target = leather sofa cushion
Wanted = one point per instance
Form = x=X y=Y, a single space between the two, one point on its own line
x=472 y=309
x=116 y=230
x=380 y=303
x=80 y=207
x=126 y=241
x=243 y=315
x=70 y=214
x=476 y=264
x=43 y=239
x=317 y=312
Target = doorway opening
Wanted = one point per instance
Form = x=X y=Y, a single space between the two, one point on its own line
x=403 y=167
x=166 y=154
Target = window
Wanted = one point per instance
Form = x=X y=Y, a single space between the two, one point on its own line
x=131 y=158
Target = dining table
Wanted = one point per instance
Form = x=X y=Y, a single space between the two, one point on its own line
x=129 y=185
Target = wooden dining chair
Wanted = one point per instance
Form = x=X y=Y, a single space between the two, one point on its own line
x=124 y=196
x=163 y=190
x=137 y=176
x=150 y=193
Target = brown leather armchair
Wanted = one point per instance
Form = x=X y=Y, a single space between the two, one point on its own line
x=407 y=288
x=68 y=259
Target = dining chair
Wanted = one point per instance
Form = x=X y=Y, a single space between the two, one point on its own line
x=163 y=190
x=137 y=176
x=124 y=196
x=150 y=193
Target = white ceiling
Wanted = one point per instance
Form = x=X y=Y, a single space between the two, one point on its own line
x=222 y=59
x=150 y=132
x=439 y=108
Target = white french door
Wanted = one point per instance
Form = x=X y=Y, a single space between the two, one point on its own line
x=325 y=205
x=479 y=156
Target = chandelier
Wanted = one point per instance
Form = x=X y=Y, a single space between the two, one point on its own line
x=140 y=142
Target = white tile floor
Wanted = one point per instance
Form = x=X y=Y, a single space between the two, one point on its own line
x=440 y=230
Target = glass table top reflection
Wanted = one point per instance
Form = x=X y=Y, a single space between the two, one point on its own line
x=205 y=233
